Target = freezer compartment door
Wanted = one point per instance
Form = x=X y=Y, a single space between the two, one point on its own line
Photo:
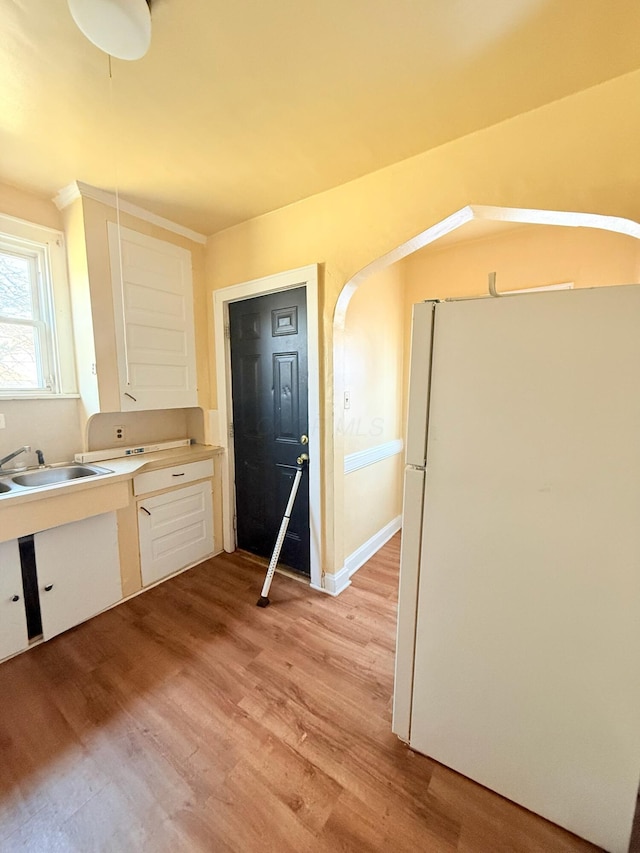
x=408 y=599
x=419 y=382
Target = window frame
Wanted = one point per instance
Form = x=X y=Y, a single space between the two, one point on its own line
x=51 y=316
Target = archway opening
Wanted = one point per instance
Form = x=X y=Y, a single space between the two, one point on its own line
x=452 y=259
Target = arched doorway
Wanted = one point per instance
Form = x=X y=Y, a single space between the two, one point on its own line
x=469 y=224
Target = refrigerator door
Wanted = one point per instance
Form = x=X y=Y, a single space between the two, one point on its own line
x=408 y=599
x=419 y=379
x=528 y=628
x=419 y=389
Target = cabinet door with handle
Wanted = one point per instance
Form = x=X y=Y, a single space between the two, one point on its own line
x=78 y=570
x=176 y=530
x=13 y=618
x=153 y=310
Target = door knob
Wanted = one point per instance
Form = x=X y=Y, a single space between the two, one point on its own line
x=304 y=439
x=304 y=457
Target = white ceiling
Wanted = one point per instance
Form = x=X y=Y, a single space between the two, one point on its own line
x=243 y=107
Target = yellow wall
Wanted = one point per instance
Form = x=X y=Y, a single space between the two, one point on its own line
x=52 y=426
x=533 y=256
x=29 y=206
x=578 y=153
x=373 y=498
x=145 y=427
x=373 y=367
x=373 y=350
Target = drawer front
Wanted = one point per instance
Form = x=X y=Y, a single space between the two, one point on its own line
x=177 y=475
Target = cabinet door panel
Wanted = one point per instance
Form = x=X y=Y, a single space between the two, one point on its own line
x=13 y=619
x=78 y=571
x=176 y=530
x=153 y=304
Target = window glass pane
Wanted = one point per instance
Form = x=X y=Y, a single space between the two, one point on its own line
x=16 y=296
x=18 y=357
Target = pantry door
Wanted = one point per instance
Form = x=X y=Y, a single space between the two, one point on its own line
x=268 y=336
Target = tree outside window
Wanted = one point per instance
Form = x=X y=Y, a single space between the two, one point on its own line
x=26 y=332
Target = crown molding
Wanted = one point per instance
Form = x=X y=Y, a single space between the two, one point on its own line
x=78 y=189
x=66 y=196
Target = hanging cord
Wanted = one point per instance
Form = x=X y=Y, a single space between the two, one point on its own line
x=492 y=285
x=117 y=194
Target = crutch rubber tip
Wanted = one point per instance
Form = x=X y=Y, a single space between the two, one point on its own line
x=263 y=601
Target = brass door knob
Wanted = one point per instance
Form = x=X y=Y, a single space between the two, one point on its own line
x=304 y=457
x=304 y=439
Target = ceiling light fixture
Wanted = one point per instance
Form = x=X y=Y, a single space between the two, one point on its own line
x=121 y=28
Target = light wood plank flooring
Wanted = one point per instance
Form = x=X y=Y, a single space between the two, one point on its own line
x=188 y=719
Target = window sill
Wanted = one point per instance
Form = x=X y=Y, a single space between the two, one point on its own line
x=36 y=395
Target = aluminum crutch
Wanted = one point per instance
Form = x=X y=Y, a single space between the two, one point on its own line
x=263 y=601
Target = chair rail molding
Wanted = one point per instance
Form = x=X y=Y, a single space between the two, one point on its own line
x=362 y=458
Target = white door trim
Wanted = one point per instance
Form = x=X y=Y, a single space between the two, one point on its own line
x=303 y=277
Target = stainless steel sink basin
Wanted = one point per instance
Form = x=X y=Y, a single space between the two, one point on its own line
x=59 y=474
x=4 y=488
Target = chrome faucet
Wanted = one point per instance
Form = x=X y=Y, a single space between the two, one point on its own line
x=25 y=449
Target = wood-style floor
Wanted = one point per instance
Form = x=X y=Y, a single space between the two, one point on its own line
x=188 y=719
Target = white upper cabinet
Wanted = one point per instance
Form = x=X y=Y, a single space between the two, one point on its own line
x=153 y=309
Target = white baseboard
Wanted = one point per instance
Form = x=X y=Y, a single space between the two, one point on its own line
x=371 y=546
x=334 y=584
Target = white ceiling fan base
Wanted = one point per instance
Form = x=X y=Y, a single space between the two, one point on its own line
x=121 y=28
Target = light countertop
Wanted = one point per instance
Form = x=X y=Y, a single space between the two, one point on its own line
x=121 y=469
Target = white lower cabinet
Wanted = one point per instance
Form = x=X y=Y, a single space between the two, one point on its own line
x=13 y=618
x=78 y=570
x=175 y=529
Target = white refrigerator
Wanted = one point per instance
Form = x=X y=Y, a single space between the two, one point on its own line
x=518 y=648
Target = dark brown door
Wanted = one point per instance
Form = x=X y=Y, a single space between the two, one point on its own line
x=270 y=416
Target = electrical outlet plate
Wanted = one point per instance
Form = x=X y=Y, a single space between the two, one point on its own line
x=119 y=433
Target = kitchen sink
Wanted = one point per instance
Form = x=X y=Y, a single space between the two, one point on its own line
x=57 y=474
x=4 y=488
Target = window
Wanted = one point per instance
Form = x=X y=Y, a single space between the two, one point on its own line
x=32 y=276
x=26 y=325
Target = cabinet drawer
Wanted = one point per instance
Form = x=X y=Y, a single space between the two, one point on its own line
x=177 y=475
